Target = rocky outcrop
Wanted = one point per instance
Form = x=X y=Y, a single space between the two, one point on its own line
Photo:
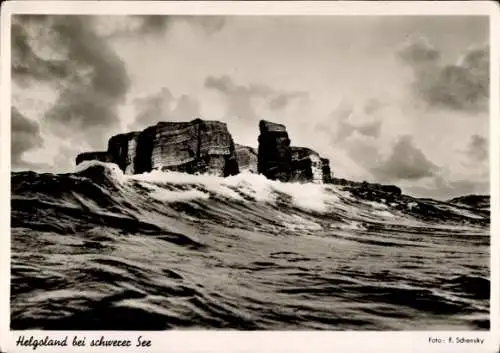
x=204 y=147
x=207 y=147
x=198 y=146
x=306 y=165
x=123 y=149
x=274 y=154
x=327 y=172
x=94 y=156
x=247 y=158
x=367 y=187
x=278 y=161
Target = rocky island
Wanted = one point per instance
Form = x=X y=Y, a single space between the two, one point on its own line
x=207 y=147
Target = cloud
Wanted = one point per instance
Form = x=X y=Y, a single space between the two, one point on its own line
x=242 y=100
x=442 y=189
x=463 y=86
x=153 y=108
x=418 y=50
x=25 y=136
x=478 y=148
x=186 y=108
x=405 y=162
x=90 y=77
x=155 y=25
x=282 y=100
x=27 y=65
x=347 y=119
x=163 y=106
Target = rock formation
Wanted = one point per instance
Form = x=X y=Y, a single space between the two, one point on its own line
x=368 y=187
x=274 y=154
x=198 y=146
x=306 y=165
x=207 y=147
x=97 y=156
x=247 y=158
x=327 y=172
x=123 y=149
x=278 y=161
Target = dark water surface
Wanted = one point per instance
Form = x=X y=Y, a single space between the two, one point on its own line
x=97 y=251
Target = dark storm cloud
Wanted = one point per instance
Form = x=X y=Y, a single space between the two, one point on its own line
x=153 y=24
x=478 y=148
x=27 y=65
x=464 y=86
x=91 y=77
x=340 y=127
x=163 y=106
x=153 y=108
x=405 y=162
x=25 y=136
x=159 y=24
x=418 y=51
x=240 y=98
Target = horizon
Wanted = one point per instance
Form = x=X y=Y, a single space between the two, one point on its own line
x=391 y=100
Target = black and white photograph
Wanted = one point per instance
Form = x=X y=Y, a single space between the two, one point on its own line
x=250 y=172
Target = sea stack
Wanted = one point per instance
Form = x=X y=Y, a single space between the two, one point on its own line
x=274 y=154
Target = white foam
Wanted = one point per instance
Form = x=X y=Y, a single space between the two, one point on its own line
x=307 y=196
x=176 y=196
x=115 y=172
x=211 y=183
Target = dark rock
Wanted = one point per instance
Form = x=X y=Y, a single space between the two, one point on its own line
x=392 y=189
x=247 y=158
x=306 y=165
x=278 y=161
x=207 y=147
x=198 y=146
x=123 y=149
x=327 y=173
x=373 y=187
x=274 y=154
x=97 y=156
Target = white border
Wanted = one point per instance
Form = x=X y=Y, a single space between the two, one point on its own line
x=258 y=341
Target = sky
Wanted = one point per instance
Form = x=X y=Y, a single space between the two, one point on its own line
x=391 y=99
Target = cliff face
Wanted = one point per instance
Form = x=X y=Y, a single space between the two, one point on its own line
x=207 y=147
x=247 y=158
x=204 y=147
x=278 y=161
x=306 y=165
x=327 y=172
x=275 y=154
x=123 y=149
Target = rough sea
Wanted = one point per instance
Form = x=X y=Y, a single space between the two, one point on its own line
x=97 y=250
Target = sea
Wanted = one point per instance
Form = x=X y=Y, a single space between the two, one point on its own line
x=100 y=250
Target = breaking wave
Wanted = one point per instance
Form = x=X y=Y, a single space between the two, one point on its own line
x=99 y=250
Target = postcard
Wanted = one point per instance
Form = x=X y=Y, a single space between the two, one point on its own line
x=250 y=176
